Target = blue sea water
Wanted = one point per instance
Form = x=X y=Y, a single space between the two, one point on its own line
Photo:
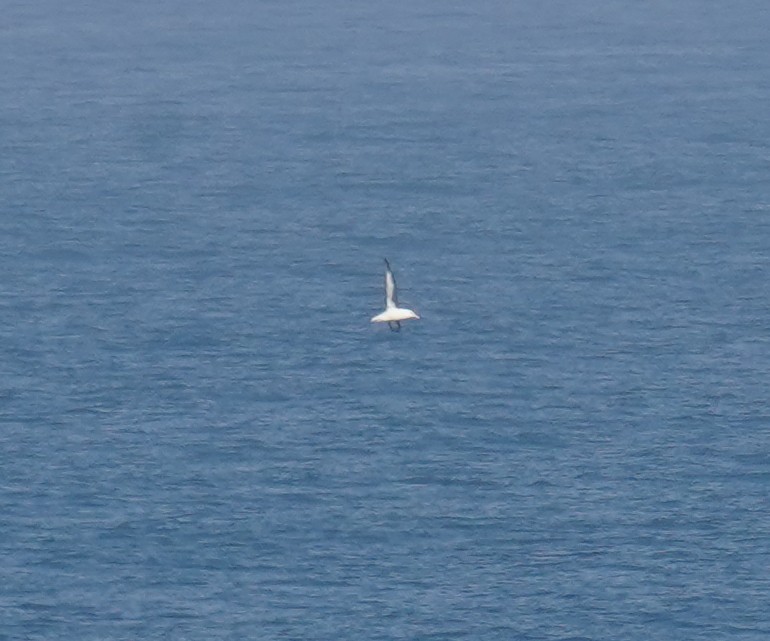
x=203 y=437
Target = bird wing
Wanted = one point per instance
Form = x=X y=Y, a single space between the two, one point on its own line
x=391 y=299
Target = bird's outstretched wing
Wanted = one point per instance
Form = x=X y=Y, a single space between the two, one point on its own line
x=391 y=300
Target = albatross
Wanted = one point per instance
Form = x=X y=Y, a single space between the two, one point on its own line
x=393 y=314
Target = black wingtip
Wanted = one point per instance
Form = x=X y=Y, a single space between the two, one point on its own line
x=387 y=264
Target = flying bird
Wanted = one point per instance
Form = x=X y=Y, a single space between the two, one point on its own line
x=393 y=314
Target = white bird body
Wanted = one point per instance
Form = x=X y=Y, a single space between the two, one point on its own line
x=393 y=314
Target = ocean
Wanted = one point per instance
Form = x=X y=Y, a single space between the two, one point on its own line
x=202 y=436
